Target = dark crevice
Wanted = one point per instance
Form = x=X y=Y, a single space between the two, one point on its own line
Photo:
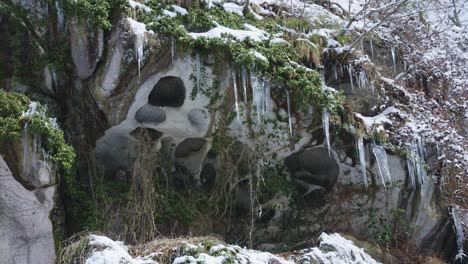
x=169 y=91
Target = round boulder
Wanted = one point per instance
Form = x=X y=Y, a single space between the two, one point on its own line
x=116 y=151
x=150 y=114
x=315 y=166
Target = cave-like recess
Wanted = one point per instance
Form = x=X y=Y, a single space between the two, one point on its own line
x=169 y=91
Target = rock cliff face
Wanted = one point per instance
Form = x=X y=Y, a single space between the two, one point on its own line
x=26 y=228
x=278 y=176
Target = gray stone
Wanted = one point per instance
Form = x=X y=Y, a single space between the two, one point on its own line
x=315 y=166
x=190 y=155
x=198 y=117
x=36 y=171
x=25 y=228
x=116 y=151
x=150 y=114
x=86 y=48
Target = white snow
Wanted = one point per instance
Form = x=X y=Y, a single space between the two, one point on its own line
x=139 y=29
x=169 y=13
x=136 y=5
x=32 y=110
x=334 y=249
x=234 y=8
x=219 y=31
x=258 y=55
x=380 y=119
x=113 y=252
x=180 y=10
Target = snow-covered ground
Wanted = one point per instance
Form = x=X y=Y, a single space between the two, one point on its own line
x=333 y=248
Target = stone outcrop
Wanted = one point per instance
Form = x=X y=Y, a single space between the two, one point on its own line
x=25 y=228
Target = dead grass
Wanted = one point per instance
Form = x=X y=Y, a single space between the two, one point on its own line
x=166 y=249
x=140 y=223
x=74 y=250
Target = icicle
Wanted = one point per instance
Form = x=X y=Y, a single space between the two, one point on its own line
x=173 y=49
x=139 y=46
x=350 y=72
x=326 y=127
x=25 y=145
x=198 y=64
x=410 y=165
x=382 y=163
x=60 y=17
x=257 y=95
x=289 y=113
x=460 y=236
x=394 y=60
x=335 y=74
x=235 y=97
x=416 y=162
x=362 y=80
x=267 y=88
x=362 y=159
x=244 y=84
x=372 y=49
x=139 y=29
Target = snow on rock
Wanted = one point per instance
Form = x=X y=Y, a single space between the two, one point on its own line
x=180 y=10
x=219 y=31
x=137 y=5
x=139 y=29
x=111 y=252
x=233 y=8
x=169 y=13
x=211 y=3
x=380 y=119
x=335 y=249
x=226 y=254
x=258 y=55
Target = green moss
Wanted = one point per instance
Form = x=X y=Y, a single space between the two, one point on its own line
x=77 y=202
x=97 y=12
x=275 y=181
x=281 y=65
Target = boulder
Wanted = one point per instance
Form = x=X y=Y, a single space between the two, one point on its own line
x=25 y=228
x=150 y=114
x=87 y=45
x=116 y=151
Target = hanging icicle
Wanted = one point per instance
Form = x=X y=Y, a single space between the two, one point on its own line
x=244 y=84
x=362 y=80
x=460 y=236
x=234 y=82
x=288 y=101
x=382 y=163
x=173 y=49
x=416 y=161
x=362 y=159
x=350 y=73
x=326 y=127
x=198 y=68
x=394 y=60
x=372 y=48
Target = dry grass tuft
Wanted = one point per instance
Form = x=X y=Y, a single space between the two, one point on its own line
x=74 y=250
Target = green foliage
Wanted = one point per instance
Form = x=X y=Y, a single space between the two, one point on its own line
x=97 y=12
x=389 y=231
x=281 y=66
x=275 y=181
x=12 y=105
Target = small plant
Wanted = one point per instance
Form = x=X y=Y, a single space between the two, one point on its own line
x=389 y=231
